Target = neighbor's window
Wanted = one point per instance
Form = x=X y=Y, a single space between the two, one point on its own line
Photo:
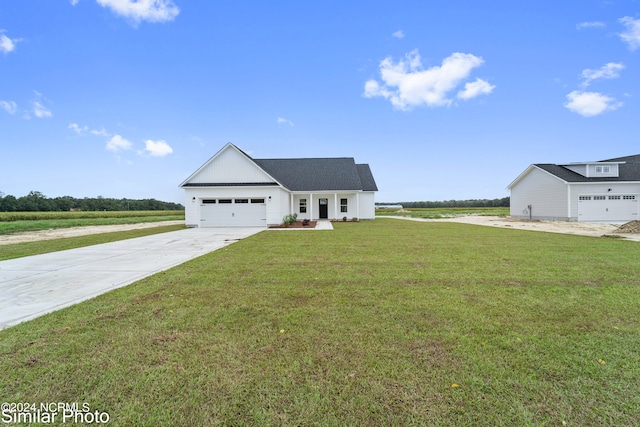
x=242 y=200
x=208 y=201
x=602 y=169
x=628 y=197
x=303 y=205
x=224 y=201
x=584 y=198
x=599 y=197
x=257 y=200
x=614 y=197
x=343 y=205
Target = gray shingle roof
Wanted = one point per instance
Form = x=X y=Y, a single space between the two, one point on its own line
x=328 y=174
x=628 y=171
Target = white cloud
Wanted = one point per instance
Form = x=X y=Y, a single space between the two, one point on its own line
x=77 y=129
x=9 y=106
x=407 y=84
x=283 y=121
x=40 y=111
x=609 y=71
x=585 y=25
x=632 y=35
x=74 y=2
x=100 y=132
x=477 y=88
x=158 y=148
x=6 y=44
x=590 y=104
x=398 y=34
x=118 y=143
x=143 y=10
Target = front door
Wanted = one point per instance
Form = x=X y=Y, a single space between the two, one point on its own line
x=324 y=208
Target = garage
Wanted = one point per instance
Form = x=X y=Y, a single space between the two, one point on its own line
x=233 y=212
x=615 y=207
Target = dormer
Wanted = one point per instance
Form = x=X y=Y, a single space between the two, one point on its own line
x=596 y=169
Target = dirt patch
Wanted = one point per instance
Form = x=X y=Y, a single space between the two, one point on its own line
x=297 y=224
x=632 y=227
x=61 y=233
x=593 y=229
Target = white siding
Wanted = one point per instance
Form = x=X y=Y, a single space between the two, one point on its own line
x=230 y=166
x=546 y=194
x=367 y=205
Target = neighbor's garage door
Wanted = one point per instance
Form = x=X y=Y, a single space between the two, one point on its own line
x=233 y=213
x=607 y=208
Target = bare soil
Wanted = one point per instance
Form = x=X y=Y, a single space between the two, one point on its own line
x=594 y=229
x=61 y=233
x=297 y=224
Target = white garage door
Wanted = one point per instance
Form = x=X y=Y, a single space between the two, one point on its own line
x=608 y=208
x=233 y=212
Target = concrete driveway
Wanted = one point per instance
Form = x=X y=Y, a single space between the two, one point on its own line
x=35 y=285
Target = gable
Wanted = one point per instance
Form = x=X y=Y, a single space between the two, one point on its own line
x=229 y=166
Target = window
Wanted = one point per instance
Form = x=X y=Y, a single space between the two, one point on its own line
x=208 y=201
x=602 y=169
x=628 y=197
x=599 y=197
x=257 y=200
x=614 y=197
x=584 y=198
x=303 y=205
x=224 y=201
x=242 y=200
x=343 y=205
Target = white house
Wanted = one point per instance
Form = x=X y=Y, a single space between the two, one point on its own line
x=233 y=189
x=606 y=190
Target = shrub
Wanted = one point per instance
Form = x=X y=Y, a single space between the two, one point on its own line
x=289 y=219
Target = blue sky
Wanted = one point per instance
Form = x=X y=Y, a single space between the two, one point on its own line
x=444 y=99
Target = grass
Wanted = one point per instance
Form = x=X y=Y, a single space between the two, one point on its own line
x=18 y=250
x=15 y=222
x=376 y=323
x=439 y=213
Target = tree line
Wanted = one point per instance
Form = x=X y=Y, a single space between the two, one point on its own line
x=473 y=203
x=35 y=201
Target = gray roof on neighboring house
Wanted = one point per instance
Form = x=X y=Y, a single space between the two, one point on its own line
x=628 y=171
x=329 y=174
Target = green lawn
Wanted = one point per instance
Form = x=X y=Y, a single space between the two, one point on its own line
x=377 y=323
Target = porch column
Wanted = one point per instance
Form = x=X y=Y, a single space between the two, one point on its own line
x=291 y=207
x=335 y=205
x=310 y=206
x=358 y=205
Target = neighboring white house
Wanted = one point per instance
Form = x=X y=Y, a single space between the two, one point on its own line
x=606 y=190
x=233 y=189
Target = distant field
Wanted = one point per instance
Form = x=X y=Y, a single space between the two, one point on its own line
x=15 y=222
x=436 y=213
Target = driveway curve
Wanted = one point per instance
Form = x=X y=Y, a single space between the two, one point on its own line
x=35 y=285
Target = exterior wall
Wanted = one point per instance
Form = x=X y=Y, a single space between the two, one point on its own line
x=274 y=205
x=230 y=167
x=578 y=190
x=367 y=205
x=546 y=194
